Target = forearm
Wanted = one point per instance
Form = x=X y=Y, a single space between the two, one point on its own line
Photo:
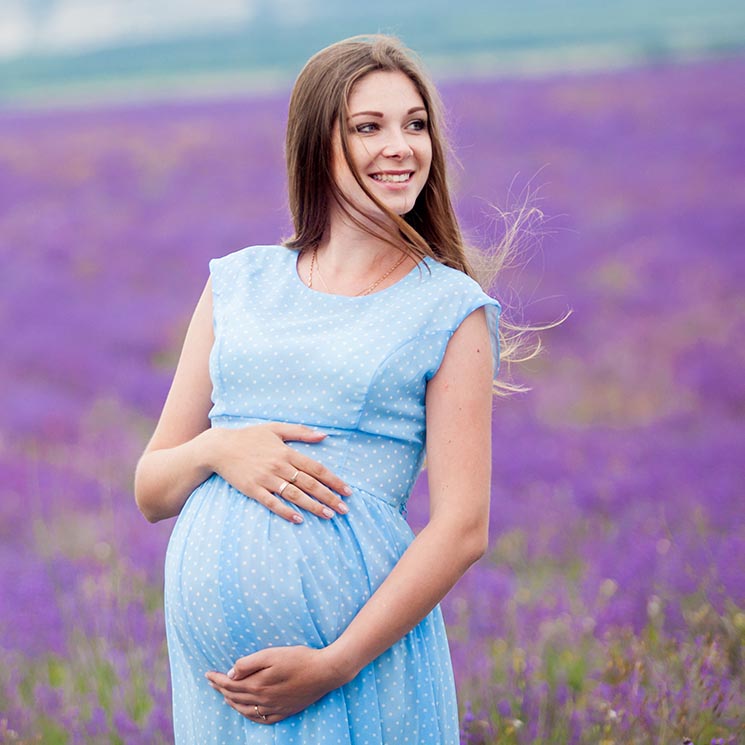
x=165 y=478
x=432 y=564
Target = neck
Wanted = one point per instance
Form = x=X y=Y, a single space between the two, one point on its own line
x=348 y=251
x=350 y=261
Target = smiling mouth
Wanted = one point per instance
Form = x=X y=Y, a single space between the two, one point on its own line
x=393 y=178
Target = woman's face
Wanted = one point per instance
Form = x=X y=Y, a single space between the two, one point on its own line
x=389 y=143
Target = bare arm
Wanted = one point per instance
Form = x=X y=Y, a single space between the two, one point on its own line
x=459 y=405
x=283 y=681
x=184 y=450
x=175 y=460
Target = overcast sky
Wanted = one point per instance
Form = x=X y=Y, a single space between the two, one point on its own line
x=69 y=25
x=38 y=26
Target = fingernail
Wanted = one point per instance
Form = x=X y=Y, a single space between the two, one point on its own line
x=341 y=507
x=347 y=490
x=297 y=519
x=231 y=673
x=327 y=512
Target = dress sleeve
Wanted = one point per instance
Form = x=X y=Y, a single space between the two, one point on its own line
x=493 y=311
x=468 y=301
x=218 y=270
x=228 y=275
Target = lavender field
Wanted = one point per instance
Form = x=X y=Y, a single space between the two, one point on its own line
x=611 y=607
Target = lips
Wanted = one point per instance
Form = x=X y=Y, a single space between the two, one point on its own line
x=393 y=178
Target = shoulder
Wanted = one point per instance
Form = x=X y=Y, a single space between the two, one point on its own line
x=454 y=296
x=245 y=263
x=454 y=288
x=250 y=255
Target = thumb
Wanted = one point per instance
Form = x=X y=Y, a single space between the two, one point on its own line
x=248 y=665
x=296 y=432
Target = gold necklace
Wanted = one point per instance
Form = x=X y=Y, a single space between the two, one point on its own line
x=367 y=290
x=315 y=261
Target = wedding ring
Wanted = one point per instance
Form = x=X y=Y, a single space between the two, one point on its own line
x=294 y=476
x=283 y=486
x=258 y=713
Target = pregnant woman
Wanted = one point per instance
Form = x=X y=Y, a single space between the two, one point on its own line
x=300 y=607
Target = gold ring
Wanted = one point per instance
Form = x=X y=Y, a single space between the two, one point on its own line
x=294 y=476
x=282 y=487
x=258 y=713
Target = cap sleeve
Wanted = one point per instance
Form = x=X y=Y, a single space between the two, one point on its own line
x=222 y=272
x=221 y=276
x=230 y=276
x=493 y=311
x=468 y=298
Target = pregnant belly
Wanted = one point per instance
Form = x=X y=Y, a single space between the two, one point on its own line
x=239 y=578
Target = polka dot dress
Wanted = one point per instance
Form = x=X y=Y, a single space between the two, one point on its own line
x=239 y=578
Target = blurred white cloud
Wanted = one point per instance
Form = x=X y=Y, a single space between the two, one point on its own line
x=31 y=26
x=16 y=29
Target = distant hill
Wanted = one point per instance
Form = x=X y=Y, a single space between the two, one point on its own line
x=480 y=36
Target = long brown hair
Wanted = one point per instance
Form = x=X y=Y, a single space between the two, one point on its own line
x=319 y=100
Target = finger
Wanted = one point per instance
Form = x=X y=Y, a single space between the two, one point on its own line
x=313 y=487
x=320 y=473
x=278 y=506
x=250 y=664
x=229 y=688
x=250 y=713
x=240 y=699
x=222 y=683
x=298 y=432
x=321 y=508
x=232 y=692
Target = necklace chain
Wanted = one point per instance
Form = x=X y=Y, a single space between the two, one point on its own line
x=314 y=260
x=314 y=264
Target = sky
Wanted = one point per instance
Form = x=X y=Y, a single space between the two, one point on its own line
x=54 y=26
x=80 y=50
x=77 y=25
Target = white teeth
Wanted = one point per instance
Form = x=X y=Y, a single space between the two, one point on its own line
x=392 y=177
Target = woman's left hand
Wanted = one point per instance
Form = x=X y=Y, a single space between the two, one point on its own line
x=277 y=682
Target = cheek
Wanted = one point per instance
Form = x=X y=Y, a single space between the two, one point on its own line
x=426 y=166
x=359 y=156
x=341 y=174
x=424 y=156
x=428 y=154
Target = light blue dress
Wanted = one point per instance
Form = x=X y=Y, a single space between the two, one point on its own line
x=239 y=578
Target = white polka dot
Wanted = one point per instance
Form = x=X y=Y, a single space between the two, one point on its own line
x=239 y=578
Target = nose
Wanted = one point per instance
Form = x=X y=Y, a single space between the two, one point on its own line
x=397 y=146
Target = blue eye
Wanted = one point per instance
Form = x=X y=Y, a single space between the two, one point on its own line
x=367 y=128
x=419 y=125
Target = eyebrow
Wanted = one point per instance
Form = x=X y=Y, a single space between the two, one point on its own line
x=379 y=114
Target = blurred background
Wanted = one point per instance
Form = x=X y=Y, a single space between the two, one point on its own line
x=62 y=50
x=138 y=140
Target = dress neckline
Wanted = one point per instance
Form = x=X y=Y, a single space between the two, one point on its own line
x=295 y=256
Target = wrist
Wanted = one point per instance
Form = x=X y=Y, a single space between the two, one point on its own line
x=341 y=663
x=204 y=454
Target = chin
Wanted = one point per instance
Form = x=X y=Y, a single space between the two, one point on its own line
x=401 y=208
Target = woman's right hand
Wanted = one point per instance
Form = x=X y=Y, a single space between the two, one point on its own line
x=257 y=462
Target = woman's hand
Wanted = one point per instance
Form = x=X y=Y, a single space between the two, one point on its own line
x=257 y=462
x=277 y=682
x=185 y=450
